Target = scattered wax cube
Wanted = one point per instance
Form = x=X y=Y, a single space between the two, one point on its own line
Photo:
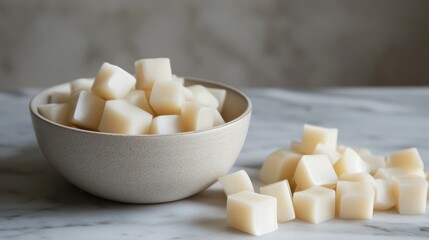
x=281 y=191
x=151 y=70
x=407 y=158
x=86 y=110
x=355 y=200
x=410 y=193
x=59 y=97
x=122 y=117
x=350 y=162
x=357 y=177
x=112 y=82
x=374 y=162
x=196 y=117
x=279 y=165
x=81 y=84
x=315 y=204
x=220 y=95
x=138 y=98
x=313 y=135
x=388 y=173
x=315 y=170
x=56 y=112
x=166 y=124
x=383 y=198
x=236 y=182
x=166 y=98
x=252 y=212
x=333 y=155
x=203 y=96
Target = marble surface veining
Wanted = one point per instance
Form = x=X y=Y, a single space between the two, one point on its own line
x=37 y=203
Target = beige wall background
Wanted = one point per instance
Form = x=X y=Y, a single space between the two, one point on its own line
x=289 y=43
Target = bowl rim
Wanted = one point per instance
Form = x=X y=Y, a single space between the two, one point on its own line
x=246 y=112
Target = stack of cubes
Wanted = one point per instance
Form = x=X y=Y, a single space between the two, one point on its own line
x=153 y=102
x=316 y=180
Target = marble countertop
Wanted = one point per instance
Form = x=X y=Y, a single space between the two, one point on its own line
x=37 y=203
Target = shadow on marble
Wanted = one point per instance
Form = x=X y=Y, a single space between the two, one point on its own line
x=211 y=196
x=217 y=225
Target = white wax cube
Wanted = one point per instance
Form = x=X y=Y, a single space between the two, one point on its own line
x=362 y=151
x=279 y=165
x=407 y=158
x=166 y=98
x=236 y=182
x=151 y=70
x=112 y=82
x=166 y=124
x=217 y=118
x=315 y=204
x=355 y=200
x=410 y=193
x=86 y=110
x=196 y=117
x=350 y=162
x=59 y=97
x=178 y=79
x=383 y=198
x=332 y=154
x=357 y=177
x=122 y=117
x=187 y=94
x=373 y=162
x=56 y=112
x=220 y=95
x=138 y=98
x=281 y=191
x=203 y=96
x=252 y=212
x=388 y=173
x=313 y=135
x=315 y=170
x=81 y=84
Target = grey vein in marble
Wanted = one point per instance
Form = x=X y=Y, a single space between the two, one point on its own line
x=37 y=203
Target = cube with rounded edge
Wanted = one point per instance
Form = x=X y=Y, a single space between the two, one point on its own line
x=203 y=96
x=410 y=193
x=383 y=198
x=196 y=117
x=279 y=165
x=333 y=155
x=315 y=204
x=151 y=70
x=281 y=191
x=81 y=84
x=407 y=158
x=86 y=110
x=220 y=95
x=166 y=98
x=122 y=117
x=166 y=124
x=355 y=200
x=312 y=135
x=252 y=212
x=350 y=162
x=138 y=98
x=56 y=112
x=59 y=97
x=179 y=80
x=217 y=118
x=388 y=173
x=236 y=182
x=315 y=170
x=112 y=82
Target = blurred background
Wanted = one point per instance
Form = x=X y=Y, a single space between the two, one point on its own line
x=245 y=43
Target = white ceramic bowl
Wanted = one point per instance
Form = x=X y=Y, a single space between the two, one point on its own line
x=145 y=168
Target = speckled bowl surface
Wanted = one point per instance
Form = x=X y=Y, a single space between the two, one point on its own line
x=145 y=168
